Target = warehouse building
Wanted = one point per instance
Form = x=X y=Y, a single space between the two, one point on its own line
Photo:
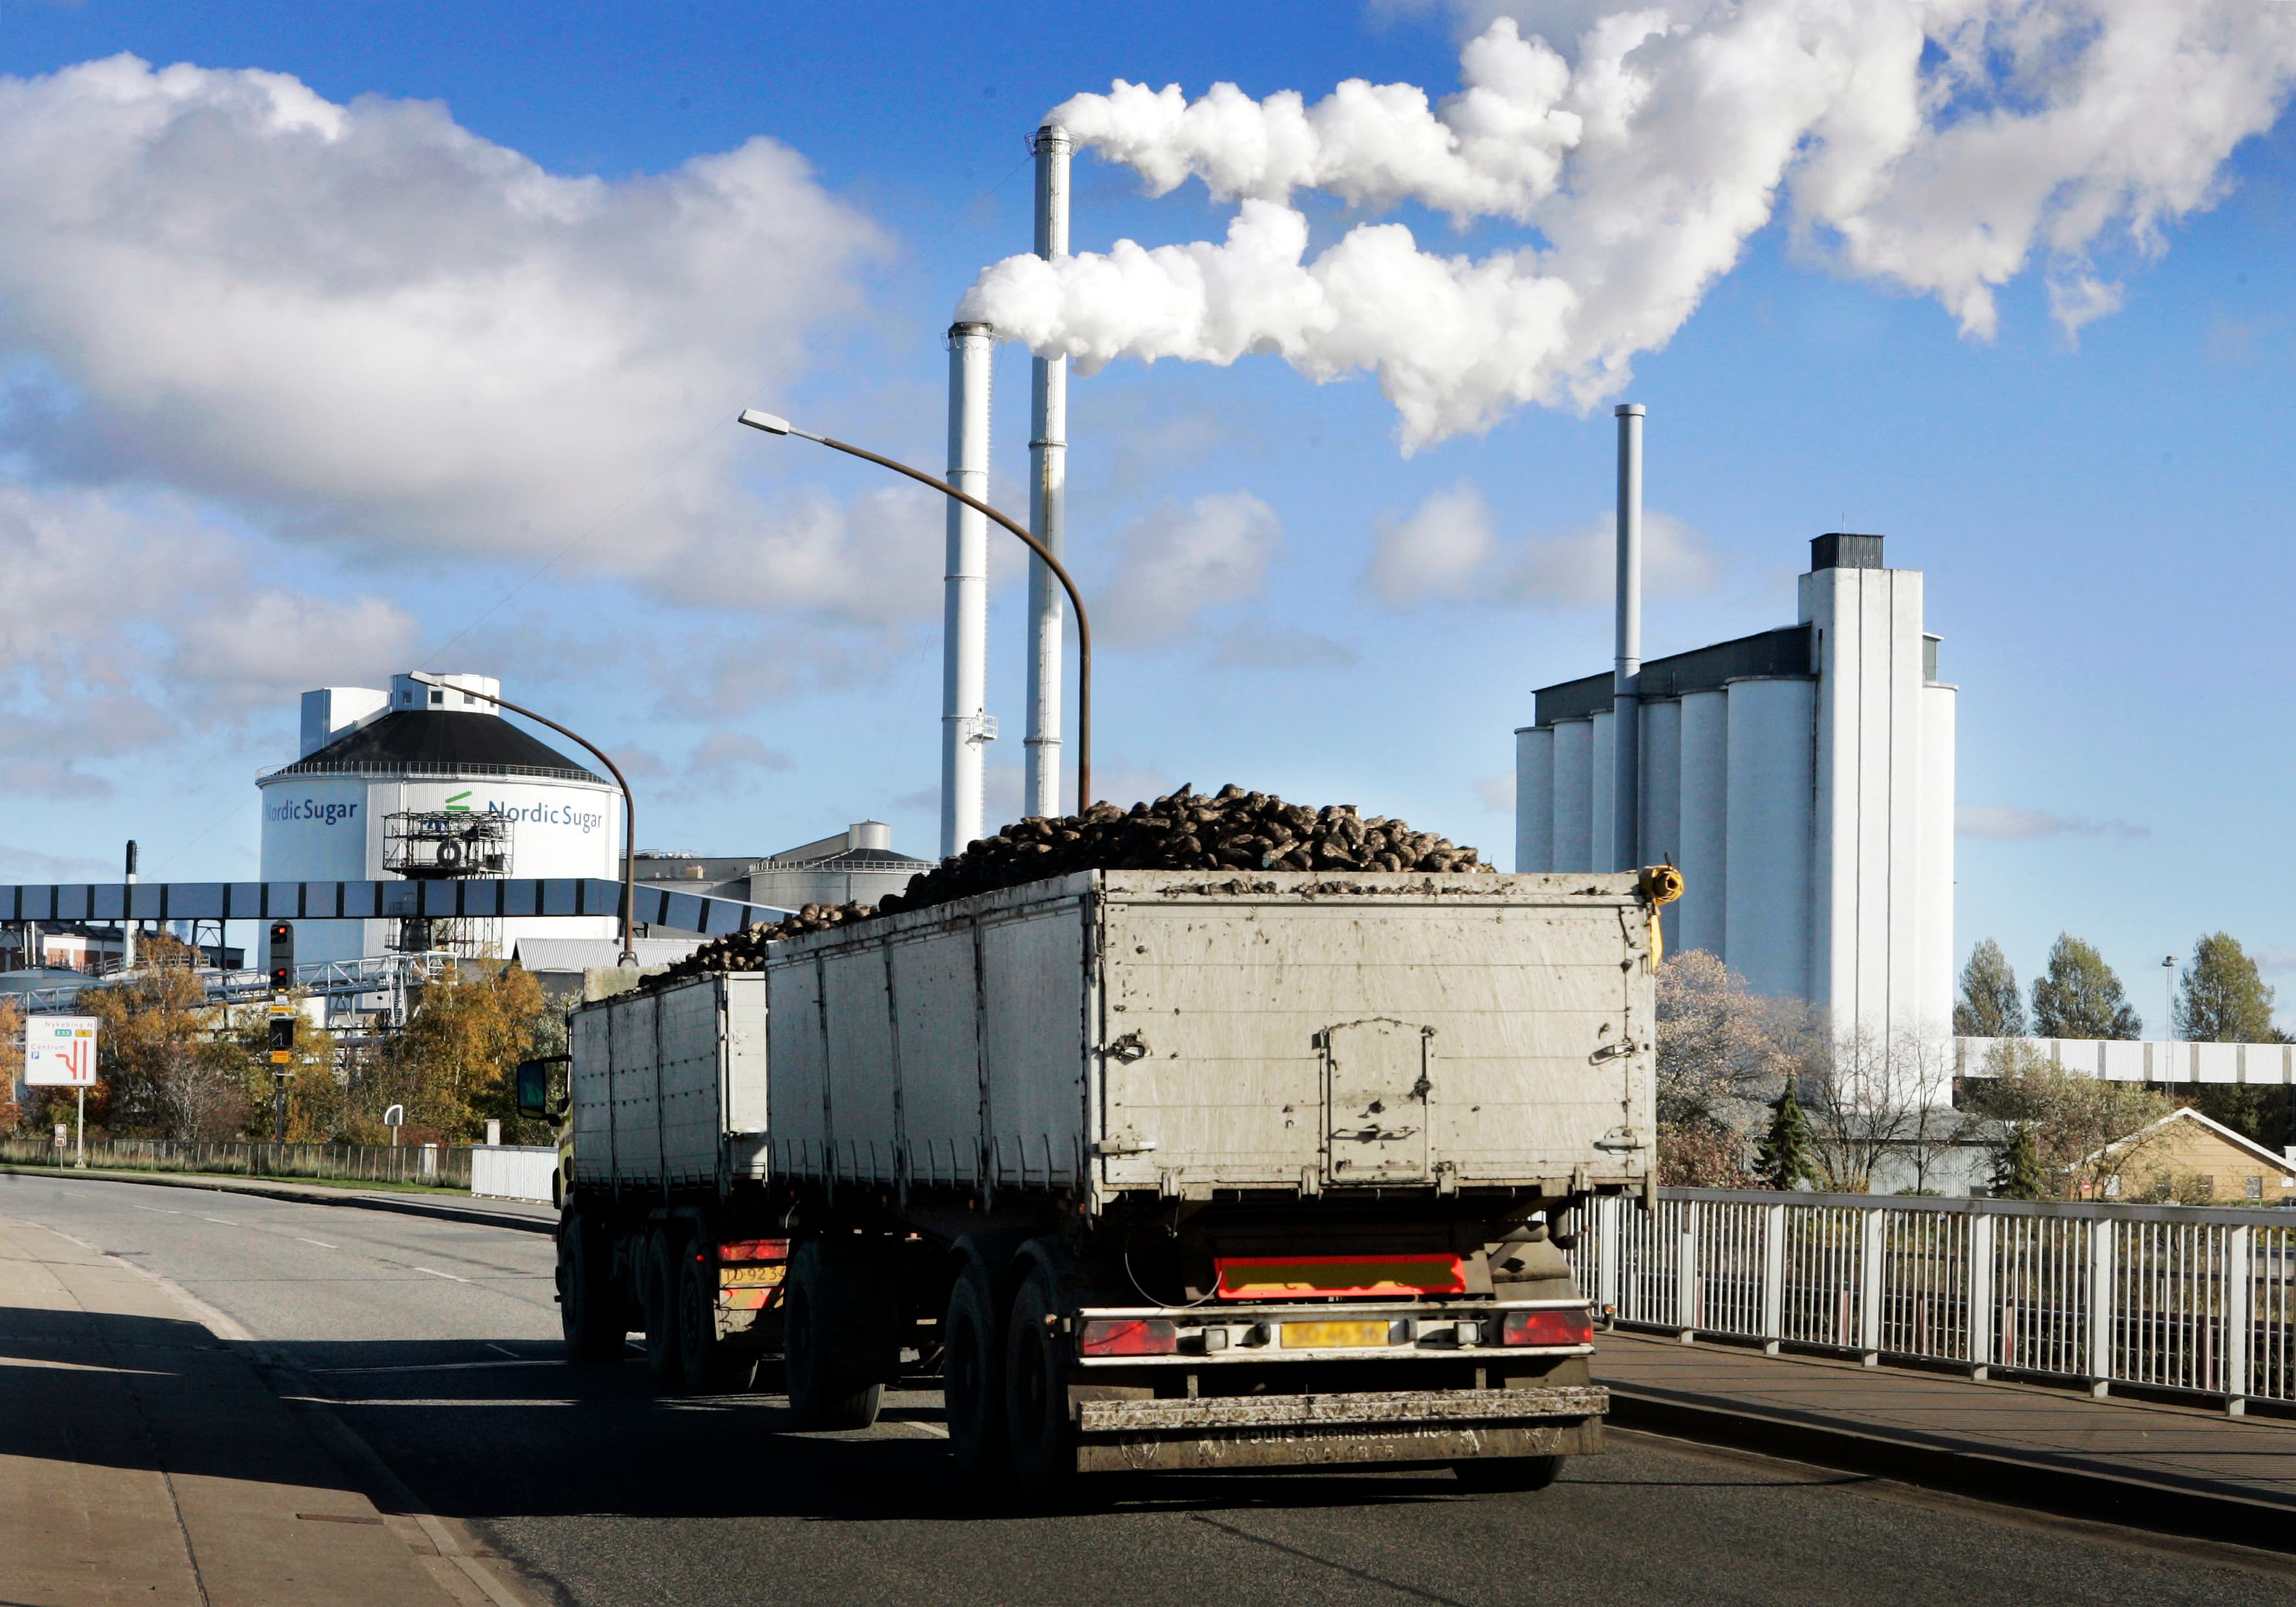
x=1802 y=778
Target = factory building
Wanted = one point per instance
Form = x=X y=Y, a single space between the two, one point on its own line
x=423 y=777
x=1803 y=780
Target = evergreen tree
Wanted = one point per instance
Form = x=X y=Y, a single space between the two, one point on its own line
x=2223 y=999
x=1990 y=1005
x=1786 y=1159
x=2017 y=1167
x=2078 y=996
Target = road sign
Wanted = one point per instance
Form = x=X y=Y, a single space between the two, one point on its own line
x=60 y=1050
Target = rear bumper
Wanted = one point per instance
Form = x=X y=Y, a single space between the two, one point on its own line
x=1303 y=1430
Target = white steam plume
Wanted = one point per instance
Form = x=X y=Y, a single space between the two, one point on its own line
x=1938 y=144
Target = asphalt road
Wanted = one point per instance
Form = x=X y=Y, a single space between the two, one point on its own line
x=438 y=1343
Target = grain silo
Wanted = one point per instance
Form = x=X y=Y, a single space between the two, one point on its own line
x=390 y=780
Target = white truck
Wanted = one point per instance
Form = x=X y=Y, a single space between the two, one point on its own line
x=1168 y=1169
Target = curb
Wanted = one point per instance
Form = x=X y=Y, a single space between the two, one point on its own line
x=476 y=1216
x=2036 y=1482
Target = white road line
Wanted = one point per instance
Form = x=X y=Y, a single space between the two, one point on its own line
x=155 y=1210
x=505 y=1349
x=225 y=1221
x=450 y=1276
x=322 y=1243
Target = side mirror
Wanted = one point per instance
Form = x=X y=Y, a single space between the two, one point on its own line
x=534 y=1087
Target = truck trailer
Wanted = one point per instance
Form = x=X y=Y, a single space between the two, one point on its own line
x=1156 y=1170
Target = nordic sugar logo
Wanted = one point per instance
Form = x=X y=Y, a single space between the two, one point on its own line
x=312 y=810
x=458 y=803
x=585 y=821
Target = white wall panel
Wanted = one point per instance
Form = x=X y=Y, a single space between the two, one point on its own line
x=1534 y=798
x=1574 y=801
x=1705 y=813
x=1768 y=834
x=1662 y=797
x=1600 y=831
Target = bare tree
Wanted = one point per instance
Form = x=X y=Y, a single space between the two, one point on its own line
x=1724 y=1053
x=2084 y=1129
x=1873 y=1098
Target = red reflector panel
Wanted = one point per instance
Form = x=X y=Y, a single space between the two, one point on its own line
x=1566 y=1327
x=1129 y=1336
x=754 y=1250
x=1309 y=1278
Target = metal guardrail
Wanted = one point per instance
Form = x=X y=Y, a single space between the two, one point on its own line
x=440 y=1164
x=2198 y=1300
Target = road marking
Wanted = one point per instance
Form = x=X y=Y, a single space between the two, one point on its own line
x=225 y=1221
x=932 y=1430
x=440 y=1367
x=155 y=1210
x=505 y=1349
x=322 y=1243
x=450 y=1276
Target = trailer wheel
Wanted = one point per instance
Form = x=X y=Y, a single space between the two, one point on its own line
x=971 y=1375
x=590 y=1312
x=817 y=1331
x=1507 y=1472
x=1043 y=1439
x=658 y=1277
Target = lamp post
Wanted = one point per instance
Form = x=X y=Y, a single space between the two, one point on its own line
x=773 y=425
x=2168 y=982
x=629 y=808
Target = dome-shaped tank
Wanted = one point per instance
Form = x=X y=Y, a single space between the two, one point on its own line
x=429 y=750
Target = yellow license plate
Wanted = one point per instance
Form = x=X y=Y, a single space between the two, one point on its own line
x=1333 y=1336
x=736 y=1278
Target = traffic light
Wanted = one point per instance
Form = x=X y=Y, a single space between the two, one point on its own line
x=282 y=957
x=283 y=1033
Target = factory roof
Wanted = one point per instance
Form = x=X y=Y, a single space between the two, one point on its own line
x=438 y=741
x=1785 y=652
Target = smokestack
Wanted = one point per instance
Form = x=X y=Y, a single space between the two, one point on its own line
x=128 y=926
x=1625 y=684
x=965 y=728
x=1048 y=455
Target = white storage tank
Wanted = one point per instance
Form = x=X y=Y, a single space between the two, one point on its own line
x=367 y=755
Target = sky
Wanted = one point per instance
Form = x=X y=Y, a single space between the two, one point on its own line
x=338 y=340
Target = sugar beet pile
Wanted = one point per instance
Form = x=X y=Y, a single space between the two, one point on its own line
x=1184 y=830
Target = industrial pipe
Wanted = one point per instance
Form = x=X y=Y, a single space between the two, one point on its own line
x=1626 y=672
x=629 y=956
x=964 y=730
x=773 y=424
x=1048 y=453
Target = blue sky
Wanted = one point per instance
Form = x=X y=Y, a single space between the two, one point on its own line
x=203 y=522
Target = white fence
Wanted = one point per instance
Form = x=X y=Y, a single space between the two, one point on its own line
x=2197 y=1299
x=2131 y=1061
x=507 y=1171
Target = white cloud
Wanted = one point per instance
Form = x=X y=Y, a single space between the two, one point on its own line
x=1252 y=645
x=1496 y=791
x=263 y=647
x=1941 y=145
x=1448 y=550
x=723 y=756
x=1178 y=562
x=369 y=325
x=2001 y=824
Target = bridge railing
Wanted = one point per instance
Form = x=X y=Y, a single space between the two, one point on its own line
x=439 y=1165
x=2197 y=1300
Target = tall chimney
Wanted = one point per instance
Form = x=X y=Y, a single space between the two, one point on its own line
x=1625 y=683
x=1048 y=455
x=964 y=728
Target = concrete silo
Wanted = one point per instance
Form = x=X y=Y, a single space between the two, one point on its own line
x=429 y=750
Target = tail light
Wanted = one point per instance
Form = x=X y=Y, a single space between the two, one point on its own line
x=753 y=1249
x=1573 y=1326
x=1129 y=1336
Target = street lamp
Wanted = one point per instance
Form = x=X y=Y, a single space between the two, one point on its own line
x=773 y=425
x=629 y=808
x=2168 y=981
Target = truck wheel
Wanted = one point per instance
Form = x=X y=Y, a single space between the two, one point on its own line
x=701 y=1355
x=1507 y=1472
x=658 y=1279
x=972 y=1376
x=822 y=1394
x=1037 y=1424
x=589 y=1309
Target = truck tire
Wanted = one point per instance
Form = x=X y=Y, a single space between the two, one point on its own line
x=1507 y=1472
x=824 y=1330
x=1037 y=1424
x=973 y=1377
x=590 y=1312
x=657 y=1279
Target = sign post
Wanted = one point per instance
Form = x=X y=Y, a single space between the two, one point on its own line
x=60 y=1053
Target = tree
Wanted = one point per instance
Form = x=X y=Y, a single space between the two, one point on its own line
x=162 y=1068
x=1784 y=1160
x=11 y=1065
x=454 y=1064
x=1873 y=1096
x=2074 y=1122
x=1723 y=1050
x=1990 y=1005
x=2078 y=996
x=2017 y=1167
x=2221 y=997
